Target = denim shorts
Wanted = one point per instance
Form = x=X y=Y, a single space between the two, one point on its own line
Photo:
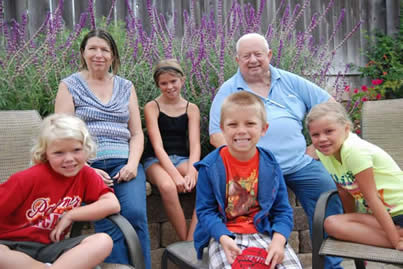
x=175 y=159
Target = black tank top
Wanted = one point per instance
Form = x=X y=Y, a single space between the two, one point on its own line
x=174 y=134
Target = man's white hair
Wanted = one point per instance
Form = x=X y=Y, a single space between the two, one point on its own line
x=252 y=36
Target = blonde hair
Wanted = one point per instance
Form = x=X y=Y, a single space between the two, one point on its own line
x=329 y=109
x=61 y=126
x=170 y=66
x=241 y=99
x=252 y=36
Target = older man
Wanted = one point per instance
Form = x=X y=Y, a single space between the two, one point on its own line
x=288 y=98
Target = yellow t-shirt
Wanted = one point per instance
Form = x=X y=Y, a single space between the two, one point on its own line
x=358 y=155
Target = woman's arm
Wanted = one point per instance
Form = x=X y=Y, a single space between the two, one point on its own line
x=64 y=100
x=366 y=182
x=194 y=144
x=347 y=200
x=136 y=143
x=151 y=117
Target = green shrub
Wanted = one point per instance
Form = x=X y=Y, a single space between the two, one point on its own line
x=31 y=70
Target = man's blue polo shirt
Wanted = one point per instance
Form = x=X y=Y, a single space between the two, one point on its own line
x=290 y=99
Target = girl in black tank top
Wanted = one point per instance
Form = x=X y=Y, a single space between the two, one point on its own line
x=173 y=146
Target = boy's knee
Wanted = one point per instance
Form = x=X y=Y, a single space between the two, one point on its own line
x=4 y=248
x=3 y=252
x=99 y=239
x=104 y=237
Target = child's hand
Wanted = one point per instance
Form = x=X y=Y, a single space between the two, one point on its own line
x=310 y=150
x=105 y=177
x=60 y=228
x=127 y=173
x=399 y=245
x=191 y=179
x=180 y=183
x=231 y=249
x=275 y=251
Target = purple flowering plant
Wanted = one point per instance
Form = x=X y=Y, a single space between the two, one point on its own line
x=32 y=67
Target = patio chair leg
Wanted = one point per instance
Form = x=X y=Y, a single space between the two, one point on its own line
x=164 y=260
x=318 y=261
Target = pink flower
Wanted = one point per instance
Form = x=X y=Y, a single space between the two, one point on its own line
x=347 y=88
x=377 y=81
x=364 y=99
x=355 y=90
x=358 y=131
x=378 y=96
x=364 y=88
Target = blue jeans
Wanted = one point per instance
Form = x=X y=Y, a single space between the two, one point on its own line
x=308 y=184
x=132 y=198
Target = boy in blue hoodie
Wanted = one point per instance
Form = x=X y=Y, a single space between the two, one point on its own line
x=241 y=196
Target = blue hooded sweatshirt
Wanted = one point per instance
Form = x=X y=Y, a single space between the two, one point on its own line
x=276 y=214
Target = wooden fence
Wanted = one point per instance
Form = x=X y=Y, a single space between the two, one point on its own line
x=374 y=14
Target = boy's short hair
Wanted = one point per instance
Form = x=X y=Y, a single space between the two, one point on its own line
x=329 y=109
x=242 y=99
x=61 y=126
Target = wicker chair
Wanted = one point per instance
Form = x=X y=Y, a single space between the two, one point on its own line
x=382 y=124
x=17 y=132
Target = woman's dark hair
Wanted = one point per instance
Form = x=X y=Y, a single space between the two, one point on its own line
x=111 y=42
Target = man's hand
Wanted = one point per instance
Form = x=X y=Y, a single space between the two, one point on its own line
x=217 y=140
x=310 y=150
x=231 y=249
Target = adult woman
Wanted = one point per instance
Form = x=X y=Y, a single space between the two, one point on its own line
x=108 y=105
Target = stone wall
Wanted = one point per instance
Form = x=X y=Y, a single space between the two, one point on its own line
x=162 y=233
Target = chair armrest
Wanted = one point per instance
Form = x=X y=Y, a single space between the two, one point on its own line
x=133 y=243
x=317 y=226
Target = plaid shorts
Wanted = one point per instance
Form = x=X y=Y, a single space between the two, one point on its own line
x=218 y=259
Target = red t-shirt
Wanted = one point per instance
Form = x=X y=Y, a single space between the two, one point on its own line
x=242 y=188
x=33 y=200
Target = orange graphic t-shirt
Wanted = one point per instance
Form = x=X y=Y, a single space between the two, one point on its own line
x=241 y=193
